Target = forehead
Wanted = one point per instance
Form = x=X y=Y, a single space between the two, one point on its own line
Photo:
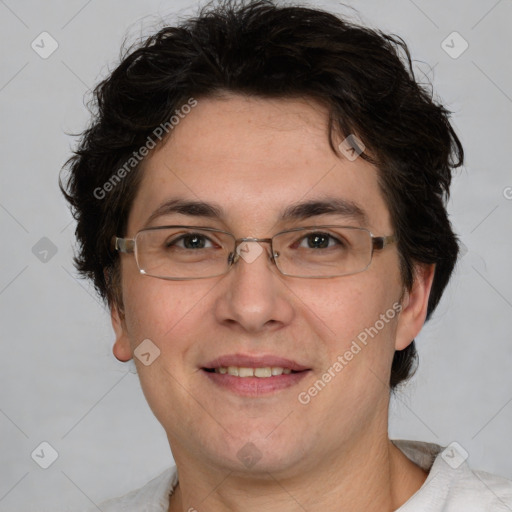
x=254 y=158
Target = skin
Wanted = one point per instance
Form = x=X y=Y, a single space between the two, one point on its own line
x=254 y=157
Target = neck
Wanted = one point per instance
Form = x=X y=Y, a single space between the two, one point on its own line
x=373 y=477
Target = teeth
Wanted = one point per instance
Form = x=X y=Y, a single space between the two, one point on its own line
x=245 y=372
x=264 y=372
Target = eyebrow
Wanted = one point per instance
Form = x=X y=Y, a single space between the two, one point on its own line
x=297 y=211
x=330 y=205
x=185 y=207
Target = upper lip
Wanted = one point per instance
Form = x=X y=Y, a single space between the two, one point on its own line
x=254 y=361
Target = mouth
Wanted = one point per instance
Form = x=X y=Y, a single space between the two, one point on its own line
x=244 y=372
x=254 y=376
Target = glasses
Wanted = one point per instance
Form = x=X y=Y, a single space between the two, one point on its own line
x=191 y=252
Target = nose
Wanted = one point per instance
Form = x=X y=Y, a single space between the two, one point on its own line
x=254 y=297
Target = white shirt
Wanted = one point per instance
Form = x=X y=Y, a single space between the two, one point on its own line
x=451 y=486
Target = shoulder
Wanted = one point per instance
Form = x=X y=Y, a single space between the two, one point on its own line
x=452 y=485
x=478 y=490
x=152 y=497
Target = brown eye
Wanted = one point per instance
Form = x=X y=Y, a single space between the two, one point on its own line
x=194 y=241
x=318 y=241
x=190 y=241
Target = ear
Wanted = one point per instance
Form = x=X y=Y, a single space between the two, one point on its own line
x=121 y=349
x=414 y=306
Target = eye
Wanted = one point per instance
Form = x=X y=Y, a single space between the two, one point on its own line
x=190 y=241
x=318 y=241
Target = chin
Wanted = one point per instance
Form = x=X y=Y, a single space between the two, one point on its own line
x=258 y=451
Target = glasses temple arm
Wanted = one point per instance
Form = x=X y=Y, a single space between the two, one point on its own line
x=126 y=245
x=379 y=242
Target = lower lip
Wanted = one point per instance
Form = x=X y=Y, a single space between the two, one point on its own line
x=255 y=386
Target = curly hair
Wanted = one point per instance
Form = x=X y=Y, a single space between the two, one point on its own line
x=258 y=48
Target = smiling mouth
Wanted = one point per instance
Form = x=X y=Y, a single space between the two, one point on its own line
x=244 y=372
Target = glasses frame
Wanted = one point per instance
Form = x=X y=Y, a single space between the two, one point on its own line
x=129 y=246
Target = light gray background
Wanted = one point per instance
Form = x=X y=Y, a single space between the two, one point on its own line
x=59 y=380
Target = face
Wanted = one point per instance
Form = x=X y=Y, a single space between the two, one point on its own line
x=252 y=159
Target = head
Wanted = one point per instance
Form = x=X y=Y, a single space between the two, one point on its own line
x=244 y=108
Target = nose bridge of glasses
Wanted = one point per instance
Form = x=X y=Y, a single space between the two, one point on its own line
x=235 y=256
x=238 y=241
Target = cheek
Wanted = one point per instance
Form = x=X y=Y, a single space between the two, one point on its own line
x=162 y=310
x=345 y=307
x=169 y=314
x=359 y=347
x=354 y=319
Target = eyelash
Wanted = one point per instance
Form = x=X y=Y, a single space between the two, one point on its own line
x=297 y=243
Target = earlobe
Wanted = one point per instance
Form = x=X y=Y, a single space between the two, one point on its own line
x=121 y=349
x=414 y=306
